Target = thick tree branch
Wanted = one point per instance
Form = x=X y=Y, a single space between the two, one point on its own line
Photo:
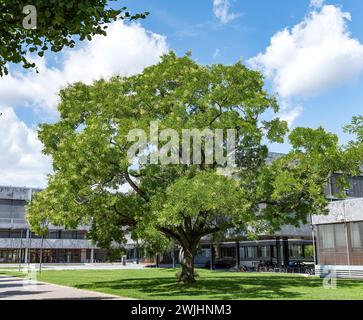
x=140 y=192
x=128 y=220
x=169 y=233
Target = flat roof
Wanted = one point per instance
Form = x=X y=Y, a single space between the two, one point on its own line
x=348 y=210
x=17 y=193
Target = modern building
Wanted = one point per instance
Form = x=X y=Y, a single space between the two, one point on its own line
x=17 y=243
x=339 y=239
x=291 y=244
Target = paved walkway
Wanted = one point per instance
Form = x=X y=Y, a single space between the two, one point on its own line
x=83 y=266
x=12 y=288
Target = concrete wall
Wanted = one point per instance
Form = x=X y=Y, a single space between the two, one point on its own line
x=303 y=231
x=16 y=193
x=13 y=243
x=340 y=211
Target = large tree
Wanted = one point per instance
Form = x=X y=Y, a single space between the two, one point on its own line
x=188 y=201
x=57 y=24
x=356 y=128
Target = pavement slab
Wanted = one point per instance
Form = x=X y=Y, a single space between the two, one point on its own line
x=12 y=288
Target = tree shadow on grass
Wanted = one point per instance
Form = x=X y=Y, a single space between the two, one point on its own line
x=215 y=287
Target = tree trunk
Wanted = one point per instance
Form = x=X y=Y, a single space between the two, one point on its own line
x=189 y=240
x=187 y=274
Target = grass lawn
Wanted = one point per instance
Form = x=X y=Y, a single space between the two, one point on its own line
x=161 y=284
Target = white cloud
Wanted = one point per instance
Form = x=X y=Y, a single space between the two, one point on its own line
x=290 y=115
x=216 y=53
x=21 y=161
x=315 y=55
x=316 y=3
x=221 y=9
x=126 y=50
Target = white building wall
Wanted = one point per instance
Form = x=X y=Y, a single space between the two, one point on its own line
x=340 y=211
x=13 y=243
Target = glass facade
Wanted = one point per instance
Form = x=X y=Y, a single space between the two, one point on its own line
x=48 y=255
x=355 y=190
x=12 y=209
x=9 y=255
x=340 y=244
x=265 y=252
x=249 y=252
x=357 y=235
x=59 y=234
x=228 y=252
x=309 y=251
x=296 y=251
x=326 y=236
x=340 y=236
x=334 y=236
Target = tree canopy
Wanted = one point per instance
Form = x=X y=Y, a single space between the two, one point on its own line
x=187 y=201
x=354 y=151
x=57 y=24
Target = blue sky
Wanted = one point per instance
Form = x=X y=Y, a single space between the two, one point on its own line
x=310 y=51
x=192 y=25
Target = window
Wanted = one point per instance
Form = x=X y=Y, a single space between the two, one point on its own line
x=4 y=234
x=12 y=209
x=309 y=251
x=12 y=233
x=340 y=236
x=67 y=235
x=228 y=252
x=333 y=236
x=356 y=186
x=265 y=251
x=73 y=235
x=357 y=235
x=33 y=235
x=81 y=235
x=52 y=235
x=18 y=212
x=356 y=189
x=326 y=236
x=295 y=250
x=206 y=252
x=12 y=202
x=15 y=234
x=249 y=252
x=5 y=211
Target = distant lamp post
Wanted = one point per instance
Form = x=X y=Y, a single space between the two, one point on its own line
x=346 y=236
x=173 y=254
x=41 y=254
x=137 y=252
x=21 y=248
x=314 y=242
x=211 y=256
x=28 y=236
x=29 y=244
x=44 y=229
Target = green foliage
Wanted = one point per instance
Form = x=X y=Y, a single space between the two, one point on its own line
x=58 y=22
x=295 y=183
x=183 y=202
x=354 y=150
x=356 y=127
x=309 y=251
x=115 y=254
